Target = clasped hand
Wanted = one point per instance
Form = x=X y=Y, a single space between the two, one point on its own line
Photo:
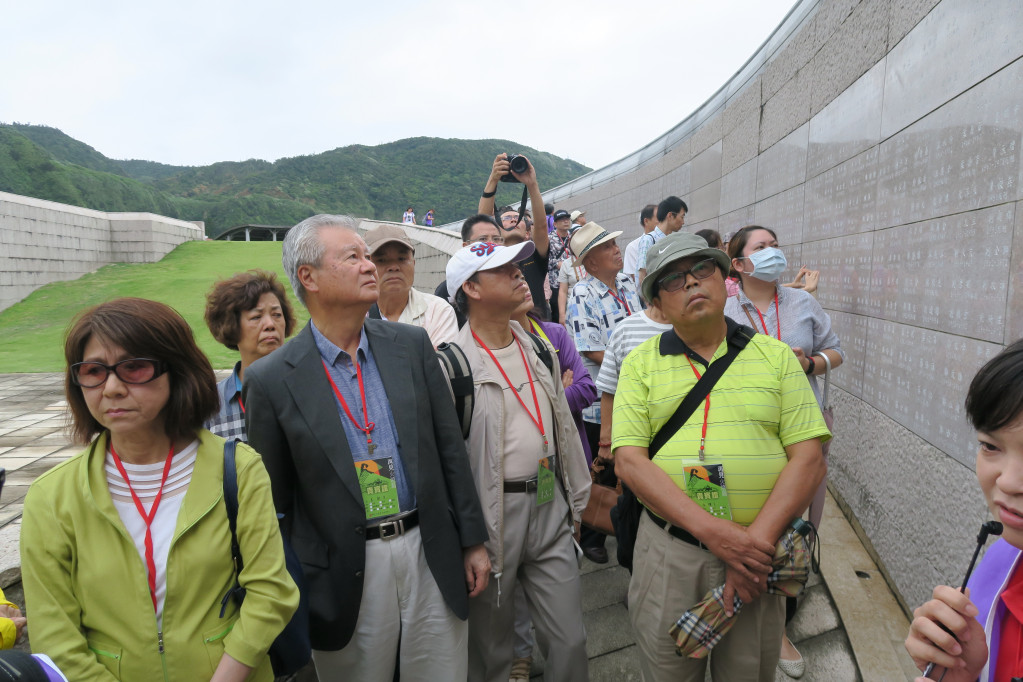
x=748 y=558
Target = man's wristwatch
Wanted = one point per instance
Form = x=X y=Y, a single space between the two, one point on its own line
x=810 y=367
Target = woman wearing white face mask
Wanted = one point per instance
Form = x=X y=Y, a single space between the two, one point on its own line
x=796 y=318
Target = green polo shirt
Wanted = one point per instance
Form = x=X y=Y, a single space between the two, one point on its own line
x=761 y=405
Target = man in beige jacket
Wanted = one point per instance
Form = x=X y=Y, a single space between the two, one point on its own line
x=529 y=469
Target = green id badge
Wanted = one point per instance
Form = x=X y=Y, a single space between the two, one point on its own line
x=379 y=490
x=544 y=482
x=705 y=485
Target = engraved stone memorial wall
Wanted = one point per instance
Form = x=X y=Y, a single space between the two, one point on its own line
x=881 y=139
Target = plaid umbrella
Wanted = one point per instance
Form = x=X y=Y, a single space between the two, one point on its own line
x=704 y=624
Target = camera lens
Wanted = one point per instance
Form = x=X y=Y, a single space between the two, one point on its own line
x=517 y=163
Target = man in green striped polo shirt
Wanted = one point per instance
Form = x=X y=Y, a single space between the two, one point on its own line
x=723 y=489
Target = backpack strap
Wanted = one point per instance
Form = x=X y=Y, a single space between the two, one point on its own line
x=231 y=502
x=456 y=366
x=544 y=351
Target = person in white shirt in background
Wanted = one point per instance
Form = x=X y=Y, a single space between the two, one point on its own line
x=648 y=219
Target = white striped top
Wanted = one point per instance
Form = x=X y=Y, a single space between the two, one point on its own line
x=145 y=479
x=628 y=334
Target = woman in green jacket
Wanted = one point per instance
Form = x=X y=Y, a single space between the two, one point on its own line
x=126 y=547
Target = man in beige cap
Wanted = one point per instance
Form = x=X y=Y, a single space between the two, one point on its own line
x=579 y=218
x=395 y=258
x=596 y=305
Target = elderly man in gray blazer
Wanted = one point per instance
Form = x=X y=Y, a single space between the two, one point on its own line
x=355 y=423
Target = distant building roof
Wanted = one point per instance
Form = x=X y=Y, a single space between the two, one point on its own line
x=254 y=233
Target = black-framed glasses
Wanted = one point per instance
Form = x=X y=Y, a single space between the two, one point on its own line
x=130 y=371
x=677 y=280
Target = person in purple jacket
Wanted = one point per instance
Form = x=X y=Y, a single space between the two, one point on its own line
x=986 y=621
x=580 y=388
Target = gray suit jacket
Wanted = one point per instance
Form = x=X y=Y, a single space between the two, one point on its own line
x=293 y=422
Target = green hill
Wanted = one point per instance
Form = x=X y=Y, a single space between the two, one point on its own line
x=33 y=329
x=372 y=182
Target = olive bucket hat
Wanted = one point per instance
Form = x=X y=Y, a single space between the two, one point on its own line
x=673 y=248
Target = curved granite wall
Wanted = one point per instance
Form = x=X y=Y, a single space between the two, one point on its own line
x=881 y=138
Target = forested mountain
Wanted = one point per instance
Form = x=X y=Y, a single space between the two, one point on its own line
x=372 y=182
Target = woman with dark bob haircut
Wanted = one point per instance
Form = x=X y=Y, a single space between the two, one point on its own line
x=248 y=313
x=125 y=547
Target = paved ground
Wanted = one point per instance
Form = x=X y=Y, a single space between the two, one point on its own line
x=854 y=605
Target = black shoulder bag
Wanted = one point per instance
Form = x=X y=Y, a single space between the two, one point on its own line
x=626 y=514
x=291 y=650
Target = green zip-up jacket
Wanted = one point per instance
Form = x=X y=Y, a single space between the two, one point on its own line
x=86 y=587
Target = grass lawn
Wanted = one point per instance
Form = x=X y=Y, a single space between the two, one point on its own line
x=32 y=331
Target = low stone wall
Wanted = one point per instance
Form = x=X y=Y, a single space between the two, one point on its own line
x=43 y=242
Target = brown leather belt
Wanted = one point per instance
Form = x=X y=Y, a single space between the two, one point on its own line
x=392 y=529
x=676 y=532
x=520 y=486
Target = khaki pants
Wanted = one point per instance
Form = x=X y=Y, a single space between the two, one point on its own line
x=539 y=555
x=403 y=617
x=669 y=577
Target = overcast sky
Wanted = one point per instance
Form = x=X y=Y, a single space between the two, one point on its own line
x=190 y=83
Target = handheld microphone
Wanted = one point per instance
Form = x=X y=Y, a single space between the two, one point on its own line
x=989 y=528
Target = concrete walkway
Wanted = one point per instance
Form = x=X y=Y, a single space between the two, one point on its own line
x=849 y=626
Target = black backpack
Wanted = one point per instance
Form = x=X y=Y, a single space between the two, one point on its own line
x=456 y=365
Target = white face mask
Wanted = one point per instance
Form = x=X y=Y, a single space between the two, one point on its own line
x=768 y=264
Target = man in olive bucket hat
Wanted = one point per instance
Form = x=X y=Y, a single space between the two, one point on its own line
x=727 y=484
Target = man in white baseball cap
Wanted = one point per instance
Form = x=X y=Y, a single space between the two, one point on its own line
x=529 y=467
x=579 y=218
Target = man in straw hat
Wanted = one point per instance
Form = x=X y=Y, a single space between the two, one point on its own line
x=597 y=304
x=727 y=484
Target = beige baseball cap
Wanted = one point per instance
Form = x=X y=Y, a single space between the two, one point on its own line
x=385 y=234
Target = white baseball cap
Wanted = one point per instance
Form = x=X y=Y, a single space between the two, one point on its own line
x=470 y=259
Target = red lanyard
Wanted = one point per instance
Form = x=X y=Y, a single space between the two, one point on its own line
x=706 y=411
x=238 y=387
x=147 y=518
x=621 y=301
x=776 y=312
x=538 y=420
x=368 y=428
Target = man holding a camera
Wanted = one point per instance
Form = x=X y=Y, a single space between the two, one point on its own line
x=516 y=226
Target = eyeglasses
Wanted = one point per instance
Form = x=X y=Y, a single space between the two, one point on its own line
x=130 y=371
x=677 y=280
x=488 y=239
x=513 y=221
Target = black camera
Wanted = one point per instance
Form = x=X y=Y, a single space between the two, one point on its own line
x=518 y=164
